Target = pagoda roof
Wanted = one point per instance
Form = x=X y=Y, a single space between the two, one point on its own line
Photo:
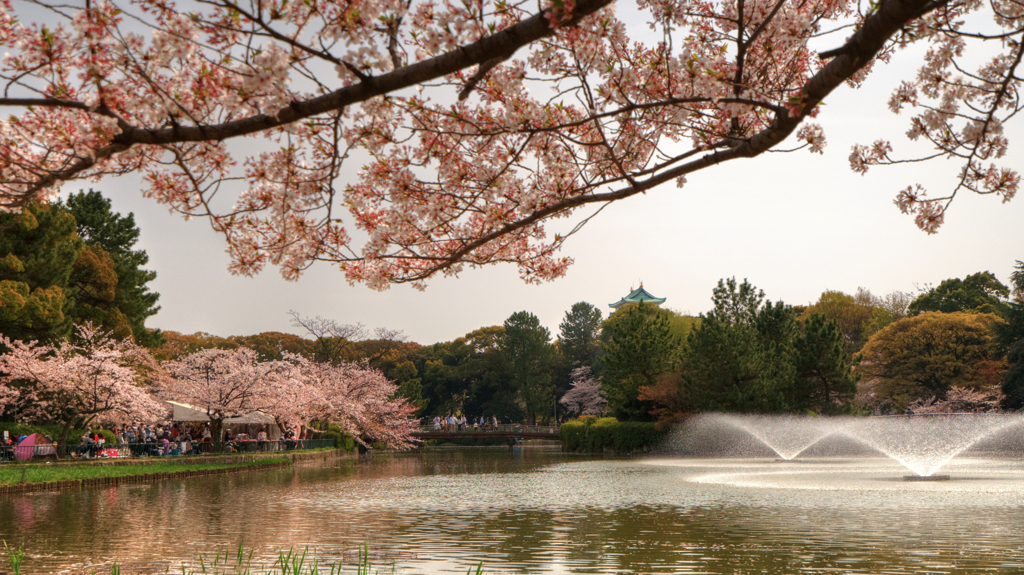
x=639 y=295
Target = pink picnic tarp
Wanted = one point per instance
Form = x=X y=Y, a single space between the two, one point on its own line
x=34 y=445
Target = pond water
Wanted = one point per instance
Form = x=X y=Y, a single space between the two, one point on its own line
x=539 y=511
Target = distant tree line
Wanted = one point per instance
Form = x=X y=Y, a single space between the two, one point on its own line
x=952 y=347
x=956 y=346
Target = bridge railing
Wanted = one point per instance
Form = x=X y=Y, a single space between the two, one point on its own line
x=503 y=428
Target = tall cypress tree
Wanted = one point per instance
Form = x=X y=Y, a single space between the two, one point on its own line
x=578 y=335
x=99 y=226
x=529 y=356
x=824 y=379
x=639 y=347
x=1011 y=337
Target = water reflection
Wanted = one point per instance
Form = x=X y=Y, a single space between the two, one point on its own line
x=543 y=512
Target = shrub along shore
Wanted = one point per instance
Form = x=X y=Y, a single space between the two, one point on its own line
x=598 y=435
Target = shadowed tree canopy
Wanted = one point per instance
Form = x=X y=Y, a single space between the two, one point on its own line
x=824 y=379
x=1011 y=338
x=578 y=335
x=749 y=355
x=465 y=162
x=529 y=356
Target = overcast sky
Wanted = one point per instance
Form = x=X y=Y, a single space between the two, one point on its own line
x=793 y=224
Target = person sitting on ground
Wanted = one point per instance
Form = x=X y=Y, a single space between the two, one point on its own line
x=86 y=446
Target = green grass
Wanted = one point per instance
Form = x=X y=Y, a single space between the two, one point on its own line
x=43 y=473
x=15 y=558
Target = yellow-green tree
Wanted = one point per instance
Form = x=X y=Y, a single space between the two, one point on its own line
x=852 y=313
x=923 y=356
x=38 y=250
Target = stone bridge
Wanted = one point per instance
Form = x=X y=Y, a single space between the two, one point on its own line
x=511 y=433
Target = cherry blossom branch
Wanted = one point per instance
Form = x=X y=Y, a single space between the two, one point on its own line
x=869 y=39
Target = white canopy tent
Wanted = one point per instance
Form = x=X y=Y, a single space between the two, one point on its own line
x=186 y=413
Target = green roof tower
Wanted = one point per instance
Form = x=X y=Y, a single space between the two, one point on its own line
x=638 y=295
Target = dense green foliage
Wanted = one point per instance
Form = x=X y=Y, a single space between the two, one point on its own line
x=639 y=347
x=592 y=434
x=52 y=431
x=1011 y=338
x=979 y=293
x=529 y=355
x=578 y=335
x=38 y=250
x=740 y=358
x=341 y=440
x=749 y=355
x=854 y=315
x=56 y=271
x=822 y=366
x=116 y=235
x=107 y=435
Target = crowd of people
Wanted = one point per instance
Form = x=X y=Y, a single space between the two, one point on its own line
x=452 y=422
x=175 y=439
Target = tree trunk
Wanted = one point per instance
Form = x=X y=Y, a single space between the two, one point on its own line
x=62 y=440
x=217 y=430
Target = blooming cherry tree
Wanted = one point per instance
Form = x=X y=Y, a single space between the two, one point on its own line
x=584 y=397
x=477 y=121
x=88 y=378
x=358 y=399
x=223 y=383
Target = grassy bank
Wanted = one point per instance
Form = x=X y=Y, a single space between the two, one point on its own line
x=16 y=474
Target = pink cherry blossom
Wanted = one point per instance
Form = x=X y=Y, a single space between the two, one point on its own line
x=473 y=124
x=584 y=397
x=356 y=398
x=89 y=378
x=223 y=383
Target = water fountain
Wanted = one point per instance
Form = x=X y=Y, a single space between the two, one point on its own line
x=787 y=436
x=923 y=444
